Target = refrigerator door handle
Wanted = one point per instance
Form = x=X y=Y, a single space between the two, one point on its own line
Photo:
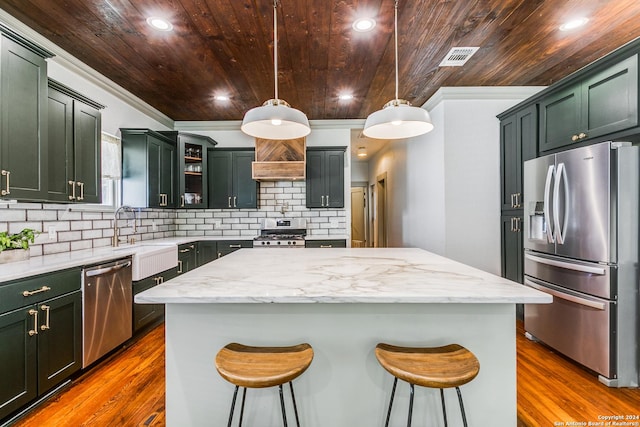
x=546 y=201
x=560 y=232
x=567 y=297
x=568 y=265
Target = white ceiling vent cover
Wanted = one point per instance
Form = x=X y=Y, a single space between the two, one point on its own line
x=458 y=56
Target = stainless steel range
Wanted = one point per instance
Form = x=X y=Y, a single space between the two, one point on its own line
x=281 y=233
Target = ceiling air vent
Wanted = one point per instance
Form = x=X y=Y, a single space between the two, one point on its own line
x=458 y=56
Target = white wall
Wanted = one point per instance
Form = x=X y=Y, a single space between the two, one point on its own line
x=444 y=187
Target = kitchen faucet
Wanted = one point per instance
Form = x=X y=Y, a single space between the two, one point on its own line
x=116 y=230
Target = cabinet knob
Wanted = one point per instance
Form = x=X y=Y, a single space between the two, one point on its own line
x=582 y=135
x=574 y=138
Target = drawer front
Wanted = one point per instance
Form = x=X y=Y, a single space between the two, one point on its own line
x=231 y=245
x=325 y=244
x=35 y=289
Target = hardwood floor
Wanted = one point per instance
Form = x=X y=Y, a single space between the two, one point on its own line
x=125 y=390
x=128 y=390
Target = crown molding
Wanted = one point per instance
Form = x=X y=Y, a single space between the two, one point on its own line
x=480 y=92
x=73 y=64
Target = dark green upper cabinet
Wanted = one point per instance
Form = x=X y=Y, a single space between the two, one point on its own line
x=148 y=169
x=74 y=128
x=518 y=141
x=230 y=183
x=325 y=178
x=192 y=168
x=23 y=119
x=602 y=103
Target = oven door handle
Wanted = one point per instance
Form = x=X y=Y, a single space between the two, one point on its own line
x=566 y=297
x=567 y=265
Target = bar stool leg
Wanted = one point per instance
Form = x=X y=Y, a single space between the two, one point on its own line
x=244 y=395
x=444 y=410
x=284 y=415
x=464 y=417
x=393 y=393
x=295 y=407
x=410 y=406
x=233 y=405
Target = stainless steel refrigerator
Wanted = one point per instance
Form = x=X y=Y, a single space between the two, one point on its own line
x=581 y=246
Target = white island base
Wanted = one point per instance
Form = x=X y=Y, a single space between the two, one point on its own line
x=345 y=386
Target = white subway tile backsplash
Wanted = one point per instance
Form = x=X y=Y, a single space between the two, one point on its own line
x=77 y=230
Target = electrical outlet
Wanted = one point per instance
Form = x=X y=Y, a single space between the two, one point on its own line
x=52 y=232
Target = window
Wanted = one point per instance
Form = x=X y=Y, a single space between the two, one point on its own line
x=111 y=170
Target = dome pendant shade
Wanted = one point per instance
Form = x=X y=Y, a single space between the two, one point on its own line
x=398 y=119
x=275 y=119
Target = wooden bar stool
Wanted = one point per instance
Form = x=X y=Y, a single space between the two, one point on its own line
x=261 y=367
x=434 y=367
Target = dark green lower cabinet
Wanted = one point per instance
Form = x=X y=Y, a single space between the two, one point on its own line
x=512 y=249
x=147 y=314
x=338 y=243
x=207 y=251
x=187 y=257
x=41 y=347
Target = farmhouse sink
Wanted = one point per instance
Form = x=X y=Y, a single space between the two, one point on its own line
x=148 y=260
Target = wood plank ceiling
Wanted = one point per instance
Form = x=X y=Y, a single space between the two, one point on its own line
x=225 y=47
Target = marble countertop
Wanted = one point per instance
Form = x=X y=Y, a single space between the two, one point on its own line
x=351 y=275
x=55 y=262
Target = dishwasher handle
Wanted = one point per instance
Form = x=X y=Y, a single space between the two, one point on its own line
x=101 y=271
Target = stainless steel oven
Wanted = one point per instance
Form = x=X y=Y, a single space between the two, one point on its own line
x=281 y=233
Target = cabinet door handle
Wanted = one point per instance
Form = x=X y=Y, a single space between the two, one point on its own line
x=73 y=190
x=8 y=190
x=235 y=246
x=81 y=185
x=518 y=199
x=322 y=201
x=34 y=331
x=219 y=254
x=327 y=200
x=182 y=201
x=47 y=310
x=582 y=135
x=229 y=202
x=512 y=225
x=180 y=267
x=37 y=291
x=184 y=251
x=234 y=201
x=574 y=138
x=326 y=246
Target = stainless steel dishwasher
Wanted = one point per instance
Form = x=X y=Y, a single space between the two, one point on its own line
x=106 y=308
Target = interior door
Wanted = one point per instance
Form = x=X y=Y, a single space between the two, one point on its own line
x=583 y=192
x=358 y=217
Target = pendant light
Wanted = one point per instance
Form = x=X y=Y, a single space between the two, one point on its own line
x=275 y=119
x=397 y=119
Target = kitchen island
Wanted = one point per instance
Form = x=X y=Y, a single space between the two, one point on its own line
x=343 y=302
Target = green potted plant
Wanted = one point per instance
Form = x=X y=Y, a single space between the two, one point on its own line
x=15 y=247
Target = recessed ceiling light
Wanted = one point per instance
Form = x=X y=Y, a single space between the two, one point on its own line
x=345 y=97
x=221 y=98
x=364 y=24
x=362 y=152
x=573 y=24
x=159 y=24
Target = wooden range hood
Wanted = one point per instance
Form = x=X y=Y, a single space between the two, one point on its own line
x=279 y=160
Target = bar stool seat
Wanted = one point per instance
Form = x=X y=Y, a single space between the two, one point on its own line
x=261 y=367
x=434 y=367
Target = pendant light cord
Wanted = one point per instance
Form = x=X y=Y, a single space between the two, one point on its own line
x=395 y=25
x=275 y=47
